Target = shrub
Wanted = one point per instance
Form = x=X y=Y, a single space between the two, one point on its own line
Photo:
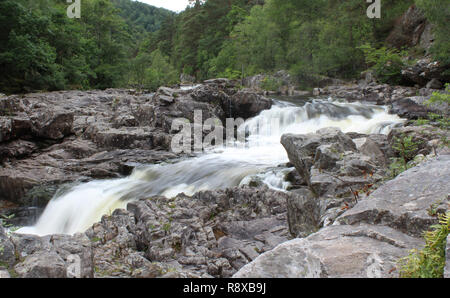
x=430 y=261
x=386 y=63
x=270 y=84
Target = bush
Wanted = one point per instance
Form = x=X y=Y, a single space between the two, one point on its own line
x=430 y=261
x=386 y=63
x=270 y=84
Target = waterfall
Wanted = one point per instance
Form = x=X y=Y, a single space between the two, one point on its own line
x=218 y=168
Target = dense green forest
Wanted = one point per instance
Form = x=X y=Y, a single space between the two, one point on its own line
x=123 y=43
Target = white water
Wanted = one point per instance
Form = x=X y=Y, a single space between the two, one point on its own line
x=83 y=205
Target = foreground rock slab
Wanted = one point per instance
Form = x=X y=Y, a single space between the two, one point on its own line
x=408 y=203
x=335 y=252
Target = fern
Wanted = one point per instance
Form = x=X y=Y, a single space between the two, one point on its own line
x=430 y=261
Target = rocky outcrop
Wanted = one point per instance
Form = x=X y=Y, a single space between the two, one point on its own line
x=409 y=29
x=212 y=234
x=369 y=239
x=56 y=256
x=426 y=72
x=336 y=171
x=49 y=139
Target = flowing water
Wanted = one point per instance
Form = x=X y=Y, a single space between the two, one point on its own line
x=262 y=157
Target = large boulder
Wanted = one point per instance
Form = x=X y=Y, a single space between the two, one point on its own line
x=246 y=104
x=42 y=264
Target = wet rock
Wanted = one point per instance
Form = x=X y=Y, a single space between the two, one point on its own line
x=303 y=150
x=407 y=108
x=336 y=251
x=245 y=104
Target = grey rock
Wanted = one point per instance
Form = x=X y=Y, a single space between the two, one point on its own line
x=245 y=104
x=335 y=252
x=303 y=211
x=42 y=264
x=407 y=108
x=4 y=274
x=7 y=251
x=404 y=203
x=434 y=84
x=421 y=136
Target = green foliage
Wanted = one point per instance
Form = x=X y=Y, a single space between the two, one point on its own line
x=387 y=63
x=151 y=71
x=270 y=84
x=42 y=49
x=441 y=98
x=430 y=261
x=442 y=119
x=406 y=149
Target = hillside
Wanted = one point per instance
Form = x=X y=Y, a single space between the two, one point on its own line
x=142 y=15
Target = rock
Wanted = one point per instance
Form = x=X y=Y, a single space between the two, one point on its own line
x=335 y=252
x=4 y=274
x=447 y=259
x=423 y=71
x=42 y=264
x=77 y=253
x=303 y=212
x=408 y=29
x=434 y=84
x=421 y=136
x=407 y=108
x=373 y=150
x=53 y=125
x=7 y=252
x=214 y=232
x=303 y=149
x=12 y=128
x=245 y=104
x=406 y=203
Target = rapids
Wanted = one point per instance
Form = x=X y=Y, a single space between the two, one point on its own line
x=262 y=157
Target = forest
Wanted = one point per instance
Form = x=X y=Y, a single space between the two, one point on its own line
x=123 y=43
